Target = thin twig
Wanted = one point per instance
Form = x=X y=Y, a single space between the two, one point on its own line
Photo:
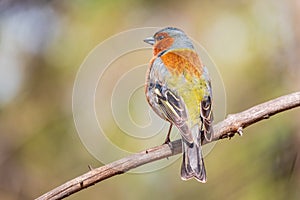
x=234 y=123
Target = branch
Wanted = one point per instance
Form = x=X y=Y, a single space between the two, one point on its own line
x=234 y=123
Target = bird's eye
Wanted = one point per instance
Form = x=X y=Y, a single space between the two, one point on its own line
x=160 y=37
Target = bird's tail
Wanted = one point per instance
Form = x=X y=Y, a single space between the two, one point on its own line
x=192 y=164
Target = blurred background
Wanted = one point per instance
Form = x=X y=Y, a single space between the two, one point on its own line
x=255 y=44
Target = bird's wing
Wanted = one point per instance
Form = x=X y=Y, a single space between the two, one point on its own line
x=174 y=109
x=206 y=117
x=206 y=112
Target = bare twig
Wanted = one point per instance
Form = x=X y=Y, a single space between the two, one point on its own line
x=227 y=128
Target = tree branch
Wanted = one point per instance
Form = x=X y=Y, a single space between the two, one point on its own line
x=234 y=123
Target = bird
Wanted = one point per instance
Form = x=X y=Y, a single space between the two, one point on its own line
x=178 y=89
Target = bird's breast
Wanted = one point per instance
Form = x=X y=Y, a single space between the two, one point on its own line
x=182 y=61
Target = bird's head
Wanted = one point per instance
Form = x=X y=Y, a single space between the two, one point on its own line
x=169 y=38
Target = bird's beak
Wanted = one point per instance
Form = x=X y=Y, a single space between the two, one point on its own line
x=149 y=40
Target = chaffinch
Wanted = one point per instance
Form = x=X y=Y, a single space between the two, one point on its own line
x=178 y=89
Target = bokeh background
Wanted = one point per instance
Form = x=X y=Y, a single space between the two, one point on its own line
x=255 y=44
